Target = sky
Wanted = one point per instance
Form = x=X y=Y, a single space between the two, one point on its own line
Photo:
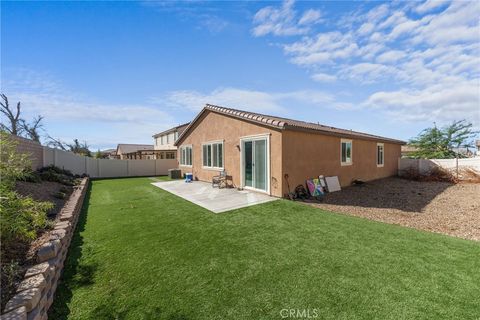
x=119 y=72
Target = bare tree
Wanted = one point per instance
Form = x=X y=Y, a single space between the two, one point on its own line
x=57 y=143
x=75 y=147
x=33 y=129
x=15 y=127
x=80 y=148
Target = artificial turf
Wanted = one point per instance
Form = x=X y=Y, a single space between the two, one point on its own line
x=142 y=253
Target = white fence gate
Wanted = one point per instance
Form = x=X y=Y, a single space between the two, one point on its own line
x=106 y=168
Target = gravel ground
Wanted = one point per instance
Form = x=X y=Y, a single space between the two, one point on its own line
x=452 y=209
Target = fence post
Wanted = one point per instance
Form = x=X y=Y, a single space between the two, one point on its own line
x=456 y=159
x=43 y=158
x=128 y=169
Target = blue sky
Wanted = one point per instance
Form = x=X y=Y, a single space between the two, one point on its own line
x=118 y=72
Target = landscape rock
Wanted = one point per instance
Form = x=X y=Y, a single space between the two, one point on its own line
x=16 y=314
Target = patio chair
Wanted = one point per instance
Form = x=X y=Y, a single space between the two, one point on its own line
x=221 y=181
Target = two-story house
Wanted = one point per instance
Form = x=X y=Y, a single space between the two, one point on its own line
x=164 y=142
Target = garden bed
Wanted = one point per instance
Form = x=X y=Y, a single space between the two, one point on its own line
x=46 y=191
x=34 y=294
x=20 y=254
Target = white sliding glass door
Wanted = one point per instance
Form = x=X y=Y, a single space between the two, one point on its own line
x=254 y=164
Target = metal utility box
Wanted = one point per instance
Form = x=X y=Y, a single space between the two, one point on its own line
x=175 y=173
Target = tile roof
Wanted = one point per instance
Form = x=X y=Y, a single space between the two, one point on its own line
x=288 y=124
x=178 y=128
x=127 y=147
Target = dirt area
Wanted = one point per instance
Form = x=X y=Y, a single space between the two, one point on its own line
x=45 y=191
x=452 y=209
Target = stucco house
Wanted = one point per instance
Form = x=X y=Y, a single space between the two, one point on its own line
x=260 y=151
x=164 y=142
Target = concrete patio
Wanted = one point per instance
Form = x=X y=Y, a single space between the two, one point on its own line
x=213 y=199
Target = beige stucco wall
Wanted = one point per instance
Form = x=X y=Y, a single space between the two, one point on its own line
x=157 y=142
x=213 y=126
x=307 y=155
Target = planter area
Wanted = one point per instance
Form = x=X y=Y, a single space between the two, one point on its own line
x=36 y=292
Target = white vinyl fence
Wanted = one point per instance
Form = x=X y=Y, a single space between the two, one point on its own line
x=424 y=166
x=106 y=168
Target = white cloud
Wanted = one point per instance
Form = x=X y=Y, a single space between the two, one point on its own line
x=324 y=49
x=244 y=99
x=427 y=54
x=391 y=56
x=366 y=28
x=430 y=5
x=310 y=16
x=378 y=13
x=366 y=72
x=439 y=102
x=283 y=20
x=324 y=77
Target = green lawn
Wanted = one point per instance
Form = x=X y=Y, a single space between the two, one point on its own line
x=142 y=253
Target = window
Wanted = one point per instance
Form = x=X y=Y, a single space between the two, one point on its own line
x=380 y=154
x=161 y=139
x=186 y=155
x=346 y=152
x=212 y=155
x=175 y=135
x=170 y=155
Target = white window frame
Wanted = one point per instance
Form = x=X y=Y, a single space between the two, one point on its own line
x=242 y=161
x=161 y=139
x=346 y=163
x=383 y=154
x=211 y=143
x=181 y=155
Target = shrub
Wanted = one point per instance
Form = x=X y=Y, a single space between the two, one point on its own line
x=32 y=176
x=56 y=170
x=56 y=174
x=50 y=176
x=60 y=195
x=22 y=217
x=13 y=165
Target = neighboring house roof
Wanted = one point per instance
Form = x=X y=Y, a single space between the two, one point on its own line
x=108 y=151
x=179 y=128
x=284 y=124
x=127 y=147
